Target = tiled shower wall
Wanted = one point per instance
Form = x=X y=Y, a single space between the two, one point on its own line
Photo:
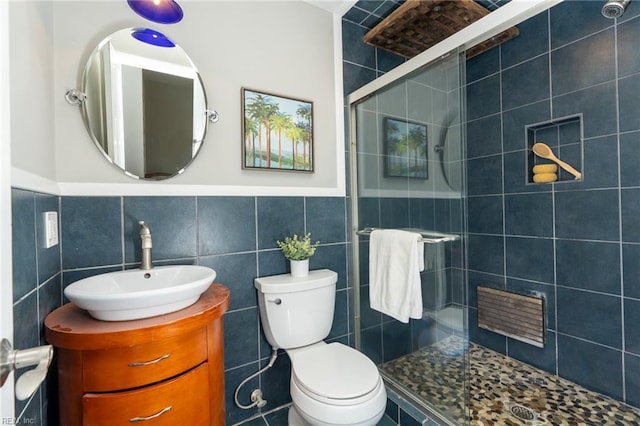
x=577 y=243
x=236 y=236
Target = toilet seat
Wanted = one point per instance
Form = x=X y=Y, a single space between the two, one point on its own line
x=335 y=374
x=344 y=402
x=320 y=411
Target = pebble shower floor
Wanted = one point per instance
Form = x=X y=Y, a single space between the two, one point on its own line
x=503 y=391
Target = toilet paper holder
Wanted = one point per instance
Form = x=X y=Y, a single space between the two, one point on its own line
x=11 y=359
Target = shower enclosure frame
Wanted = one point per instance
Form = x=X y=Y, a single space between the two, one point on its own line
x=499 y=20
x=391 y=382
x=512 y=13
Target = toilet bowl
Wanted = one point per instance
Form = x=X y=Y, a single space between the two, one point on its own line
x=294 y=418
x=331 y=384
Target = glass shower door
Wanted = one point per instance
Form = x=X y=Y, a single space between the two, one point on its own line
x=408 y=174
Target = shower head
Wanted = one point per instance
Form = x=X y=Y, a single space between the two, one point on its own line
x=614 y=8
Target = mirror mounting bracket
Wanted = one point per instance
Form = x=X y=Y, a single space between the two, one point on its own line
x=75 y=96
x=212 y=115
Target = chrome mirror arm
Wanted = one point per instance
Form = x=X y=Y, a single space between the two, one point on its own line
x=75 y=97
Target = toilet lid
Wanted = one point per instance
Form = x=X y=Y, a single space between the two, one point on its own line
x=335 y=371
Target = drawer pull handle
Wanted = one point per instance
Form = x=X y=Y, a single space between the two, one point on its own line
x=151 y=417
x=153 y=361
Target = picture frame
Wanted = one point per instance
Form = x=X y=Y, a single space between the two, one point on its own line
x=405 y=149
x=277 y=132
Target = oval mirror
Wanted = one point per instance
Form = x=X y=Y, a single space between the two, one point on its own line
x=145 y=105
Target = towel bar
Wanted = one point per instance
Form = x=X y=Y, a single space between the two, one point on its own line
x=428 y=237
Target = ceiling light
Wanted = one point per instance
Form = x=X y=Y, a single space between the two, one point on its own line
x=160 y=11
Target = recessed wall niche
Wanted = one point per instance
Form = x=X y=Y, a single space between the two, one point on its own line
x=565 y=138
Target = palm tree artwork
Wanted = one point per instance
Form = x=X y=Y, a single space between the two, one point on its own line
x=277 y=132
x=405 y=149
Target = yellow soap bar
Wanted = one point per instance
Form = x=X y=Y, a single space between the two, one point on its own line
x=545 y=168
x=545 y=177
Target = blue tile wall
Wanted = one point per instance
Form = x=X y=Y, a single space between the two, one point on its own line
x=172 y=224
x=587 y=265
x=483 y=97
x=520 y=84
x=25 y=271
x=595 y=366
x=362 y=63
x=575 y=243
x=236 y=236
x=91 y=231
x=629 y=105
x=523 y=48
x=529 y=214
x=631 y=270
x=629 y=146
x=37 y=290
x=596 y=57
x=562 y=19
x=484 y=136
x=632 y=379
x=278 y=216
x=628 y=60
x=529 y=258
x=513 y=123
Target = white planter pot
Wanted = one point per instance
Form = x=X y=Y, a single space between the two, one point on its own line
x=299 y=268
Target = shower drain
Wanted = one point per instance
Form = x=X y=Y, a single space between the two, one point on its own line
x=525 y=414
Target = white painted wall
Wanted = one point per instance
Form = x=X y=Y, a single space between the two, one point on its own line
x=284 y=48
x=31 y=73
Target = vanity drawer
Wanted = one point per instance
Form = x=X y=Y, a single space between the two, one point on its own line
x=183 y=400
x=126 y=368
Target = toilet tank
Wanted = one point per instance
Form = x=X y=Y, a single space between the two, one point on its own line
x=297 y=311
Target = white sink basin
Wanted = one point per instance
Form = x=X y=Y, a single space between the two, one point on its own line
x=137 y=293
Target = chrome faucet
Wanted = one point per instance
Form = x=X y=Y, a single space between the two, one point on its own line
x=145 y=236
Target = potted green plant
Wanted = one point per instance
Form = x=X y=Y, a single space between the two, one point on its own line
x=298 y=249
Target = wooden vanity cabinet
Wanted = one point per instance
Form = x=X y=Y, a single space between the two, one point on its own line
x=164 y=370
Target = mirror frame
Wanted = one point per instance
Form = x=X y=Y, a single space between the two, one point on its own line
x=206 y=113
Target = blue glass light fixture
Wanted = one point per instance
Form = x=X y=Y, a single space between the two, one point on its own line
x=149 y=36
x=160 y=11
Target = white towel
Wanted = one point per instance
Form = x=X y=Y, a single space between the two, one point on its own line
x=434 y=261
x=395 y=262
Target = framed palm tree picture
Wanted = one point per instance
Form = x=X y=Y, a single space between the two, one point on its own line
x=277 y=132
x=405 y=149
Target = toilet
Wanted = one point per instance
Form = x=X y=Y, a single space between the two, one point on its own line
x=331 y=383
